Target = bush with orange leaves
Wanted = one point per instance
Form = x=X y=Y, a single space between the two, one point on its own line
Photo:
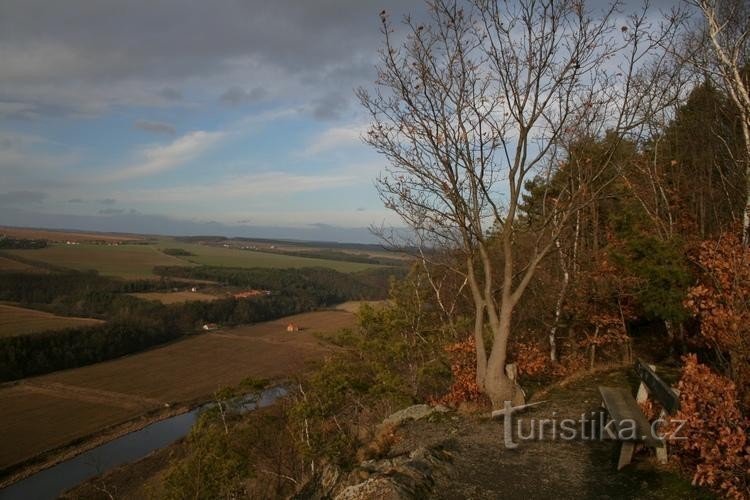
x=601 y=303
x=464 y=370
x=721 y=301
x=715 y=448
x=530 y=358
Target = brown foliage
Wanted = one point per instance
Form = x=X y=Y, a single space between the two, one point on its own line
x=721 y=301
x=601 y=303
x=715 y=448
x=531 y=359
x=464 y=370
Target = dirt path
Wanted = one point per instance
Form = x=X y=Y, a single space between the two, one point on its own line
x=483 y=468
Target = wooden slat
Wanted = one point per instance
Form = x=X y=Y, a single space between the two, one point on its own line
x=621 y=407
x=663 y=393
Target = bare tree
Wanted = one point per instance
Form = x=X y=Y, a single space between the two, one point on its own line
x=727 y=30
x=474 y=104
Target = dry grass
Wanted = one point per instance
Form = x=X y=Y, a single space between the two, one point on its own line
x=175 y=297
x=88 y=399
x=20 y=321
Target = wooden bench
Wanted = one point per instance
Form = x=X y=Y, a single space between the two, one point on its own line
x=631 y=427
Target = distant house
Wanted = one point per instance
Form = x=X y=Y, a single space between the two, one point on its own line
x=291 y=327
x=194 y=289
x=210 y=326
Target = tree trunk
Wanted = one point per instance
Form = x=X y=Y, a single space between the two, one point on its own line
x=497 y=384
x=479 y=345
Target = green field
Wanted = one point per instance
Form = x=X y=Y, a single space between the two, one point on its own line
x=126 y=261
x=138 y=261
x=230 y=257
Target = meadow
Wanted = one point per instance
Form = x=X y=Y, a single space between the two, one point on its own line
x=21 y=321
x=86 y=400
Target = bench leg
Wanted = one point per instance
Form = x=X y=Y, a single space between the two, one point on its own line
x=661 y=453
x=626 y=454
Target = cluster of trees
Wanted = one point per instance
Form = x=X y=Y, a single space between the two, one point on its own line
x=332 y=286
x=177 y=252
x=21 y=244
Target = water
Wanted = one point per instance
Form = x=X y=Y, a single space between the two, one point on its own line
x=50 y=483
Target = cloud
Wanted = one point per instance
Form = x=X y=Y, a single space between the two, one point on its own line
x=243 y=186
x=108 y=201
x=330 y=106
x=334 y=138
x=57 y=62
x=22 y=197
x=111 y=211
x=234 y=96
x=27 y=153
x=170 y=94
x=155 y=127
x=75 y=200
x=158 y=159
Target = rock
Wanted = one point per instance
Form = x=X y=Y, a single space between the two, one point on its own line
x=380 y=488
x=399 y=478
x=415 y=412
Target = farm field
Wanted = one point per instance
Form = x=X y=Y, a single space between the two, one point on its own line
x=210 y=255
x=138 y=261
x=175 y=297
x=7 y=264
x=85 y=400
x=125 y=261
x=20 y=321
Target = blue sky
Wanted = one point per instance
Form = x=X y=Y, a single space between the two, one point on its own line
x=237 y=112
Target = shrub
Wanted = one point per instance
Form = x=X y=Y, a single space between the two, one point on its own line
x=716 y=451
x=464 y=388
x=721 y=301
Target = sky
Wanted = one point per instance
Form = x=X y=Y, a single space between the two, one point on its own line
x=234 y=117
x=188 y=115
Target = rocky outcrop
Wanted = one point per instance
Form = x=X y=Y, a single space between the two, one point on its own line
x=398 y=478
x=407 y=475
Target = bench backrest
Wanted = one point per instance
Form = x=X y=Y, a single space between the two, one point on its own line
x=663 y=393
